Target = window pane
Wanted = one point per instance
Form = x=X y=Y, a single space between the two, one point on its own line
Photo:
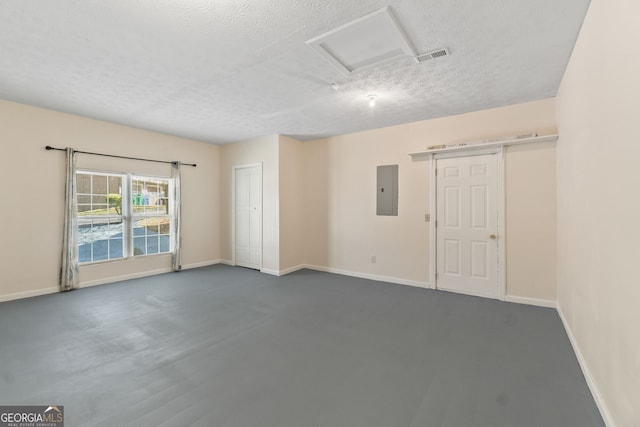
x=165 y=243
x=138 y=230
x=84 y=252
x=99 y=184
x=84 y=210
x=100 y=200
x=84 y=232
x=137 y=199
x=153 y=225
x=152 y=245
x=165 y=225
x=115 y=229
x=114 y=201
x=100 y=250
x=164 y=189
x=99 y=209
x=83 y=183
x=115 y=248
x=115 y=184
x=163 y=206
x=139 y=246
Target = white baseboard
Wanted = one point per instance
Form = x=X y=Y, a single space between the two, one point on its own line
x=343 y=272
x=292 y=269
x=532 y=301
x=104 y=281
x=113 y=279
x=141 y=274
x=29 y=294
x=269 y=271
x=262 y=270
x=593 y=387
x=201 y=264
x=368 y=276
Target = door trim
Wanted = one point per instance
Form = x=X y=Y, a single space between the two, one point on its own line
x=233 y=209
x=502 y=253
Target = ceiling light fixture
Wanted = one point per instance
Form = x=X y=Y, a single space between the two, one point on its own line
x=372 y=100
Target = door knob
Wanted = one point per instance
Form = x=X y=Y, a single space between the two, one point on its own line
x=493 y=236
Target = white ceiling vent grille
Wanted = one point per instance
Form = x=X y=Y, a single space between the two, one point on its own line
x=365 y=43
x=433 y=54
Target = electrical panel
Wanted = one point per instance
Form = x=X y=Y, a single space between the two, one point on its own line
x=387 y=191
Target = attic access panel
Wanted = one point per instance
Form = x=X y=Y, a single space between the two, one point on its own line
x=367 y=42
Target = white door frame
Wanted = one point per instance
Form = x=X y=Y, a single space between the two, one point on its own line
x=233 y=209
x=502 y=254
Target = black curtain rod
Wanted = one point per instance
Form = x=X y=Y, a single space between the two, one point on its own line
x=48 y=147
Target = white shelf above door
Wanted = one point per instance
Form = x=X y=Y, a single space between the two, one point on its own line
x=543 y=138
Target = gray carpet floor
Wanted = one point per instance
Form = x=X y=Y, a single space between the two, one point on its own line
x=229 y=347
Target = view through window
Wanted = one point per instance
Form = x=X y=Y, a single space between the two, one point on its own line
x=122 y=215
x=151 y=219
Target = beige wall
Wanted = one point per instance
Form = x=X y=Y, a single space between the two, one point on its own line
x=343 y=231
x=293 y=225
x=316 y=203
x=283 y=180
x=598 y=205
x=32 y=181
x=530 y=196
x=318 y=197
x=264 y=151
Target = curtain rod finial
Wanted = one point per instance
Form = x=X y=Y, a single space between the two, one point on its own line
x=48 y=147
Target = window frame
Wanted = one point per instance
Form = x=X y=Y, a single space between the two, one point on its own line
x=127 y=215
x=169 y=215
x=91 y=218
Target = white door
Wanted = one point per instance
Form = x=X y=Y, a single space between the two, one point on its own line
x=248 y=216
x=467 y=225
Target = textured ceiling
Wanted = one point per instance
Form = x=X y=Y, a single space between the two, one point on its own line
x=221 y=71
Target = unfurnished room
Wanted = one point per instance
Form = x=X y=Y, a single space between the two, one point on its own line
x=297 y=213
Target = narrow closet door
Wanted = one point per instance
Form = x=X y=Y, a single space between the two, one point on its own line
x=248 y=216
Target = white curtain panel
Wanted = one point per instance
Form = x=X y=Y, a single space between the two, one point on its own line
x=69 y=271
x=176 y=257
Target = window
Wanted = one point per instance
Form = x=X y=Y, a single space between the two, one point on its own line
x=151 y=219
x=123 y=215
x=100 y=219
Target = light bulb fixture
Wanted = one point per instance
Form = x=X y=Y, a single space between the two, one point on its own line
x=372 y=100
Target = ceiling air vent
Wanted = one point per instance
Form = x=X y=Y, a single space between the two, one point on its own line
x=433 y=54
